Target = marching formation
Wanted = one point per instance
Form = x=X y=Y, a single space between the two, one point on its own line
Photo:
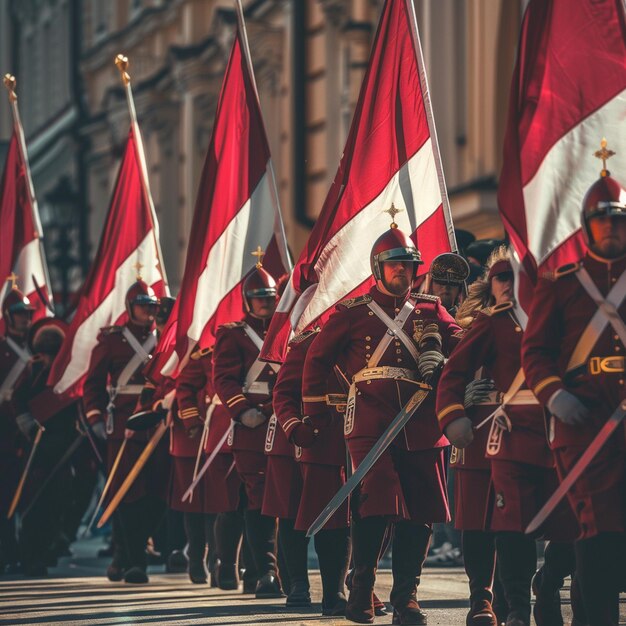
x=385 y=384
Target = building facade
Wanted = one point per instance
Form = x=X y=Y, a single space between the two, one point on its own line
x=309 y=56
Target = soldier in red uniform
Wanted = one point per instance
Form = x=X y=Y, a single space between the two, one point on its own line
x=17 y=313
x=407 y=484
x=574 y=361
x=36 y=406
x=521 y=465
x=111 y=392
x=322 y=464
x=244 y=386
x=217 y=497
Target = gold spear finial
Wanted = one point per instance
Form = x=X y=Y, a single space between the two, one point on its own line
x=10 y=83
x=138 y=267
x=605 y=155
x=259 y=254
x=13 y=278
x=393 y=212
x=122 y=65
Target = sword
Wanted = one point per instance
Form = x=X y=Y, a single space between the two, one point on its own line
x=392 y=431
x=580 y=466
x=20 y=486
x=109 y=480
x=134 y=472
x=188 y=494
x=61 y=462
x=203 y=440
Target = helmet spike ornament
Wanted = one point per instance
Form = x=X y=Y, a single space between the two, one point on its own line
x=259 y=283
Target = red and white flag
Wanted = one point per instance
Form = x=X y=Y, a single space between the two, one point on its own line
x=568 y=92
x=391 y=157
x=21 y=250
x=128 y=245
x=236 y=212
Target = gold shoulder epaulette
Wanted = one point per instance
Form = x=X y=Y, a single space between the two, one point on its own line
x=196 y=355
x=233 y=325
x=564 y=270
x=110 y=330
x=352 y=302
x=500 y=308
x=299 y=338
x=425 y=297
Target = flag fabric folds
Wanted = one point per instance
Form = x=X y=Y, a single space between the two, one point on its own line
x=236 y=211
x=568 y=92
x=20 y=245
x=391 y=157
x=127 y=247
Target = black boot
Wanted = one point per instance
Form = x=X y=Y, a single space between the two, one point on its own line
x=197 y=551
x=333 y=553
x=367 y=539
x=409 y=550
x=211 y=560
x=479 y=555
x=579 y=615
x=294 y=545
x=559 y=562
x=598 y=574
x=499 y=604
x=227 y=531
x=115 y=571
x=250 y=575
x=132 y=517
x=261 y=532
x=517 y=558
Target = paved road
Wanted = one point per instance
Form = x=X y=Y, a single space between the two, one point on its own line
x=76 y=593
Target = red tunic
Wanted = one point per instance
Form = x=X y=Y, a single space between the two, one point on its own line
x=494 y=341
x=560 y=313
x=108 y=361
x=408 y=481
x=234 y=355
x=219 y=491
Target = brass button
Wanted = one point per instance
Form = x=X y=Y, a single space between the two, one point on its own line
x=368 y=338
x=315 y=431
x=616 y=337
x=370 y=312
x=398 y=351
x=397 y=310
x=621 y=381
x=369 y=382
x=518 y=329
x=272 y=372
x=368 y=347
x=617 y=348
x=399 y=360
x=613 y=280
x=367 y=356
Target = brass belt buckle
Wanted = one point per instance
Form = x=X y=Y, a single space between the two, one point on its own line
x=606 y=365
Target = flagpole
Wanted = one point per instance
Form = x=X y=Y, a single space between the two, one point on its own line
x=280 y=226
x=122 y=65
x=421 y=68
x=10 y=83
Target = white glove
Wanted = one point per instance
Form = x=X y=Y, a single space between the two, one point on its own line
x=26 y=423
x=460 y=432
x=252 y=418
x=99 y=431
x=566 y=407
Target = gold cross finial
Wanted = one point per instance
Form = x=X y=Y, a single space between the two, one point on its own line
x=13 y=278
x=138 y=267
x=122 y=65
x=393 y=212
x=259 y=254
x=605 y=155
x=10 y=83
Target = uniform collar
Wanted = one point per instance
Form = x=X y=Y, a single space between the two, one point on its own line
x=260 y=326
x=384 y=300
x=141 y=332
x=611 y=265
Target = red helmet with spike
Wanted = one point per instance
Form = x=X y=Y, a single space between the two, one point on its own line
x=606 y=197
x=15 y=302
x=393 y=245
x=259 y=283
x=142 y=294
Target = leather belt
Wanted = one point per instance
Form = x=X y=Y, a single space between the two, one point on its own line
x=393 y=373
x=126 y=390
x=605 y=365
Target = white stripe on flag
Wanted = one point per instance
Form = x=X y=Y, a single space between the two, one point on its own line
x=29 y=264
x=109 y=310
x=230 y=258
x=345 y=259
x=553 y=197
